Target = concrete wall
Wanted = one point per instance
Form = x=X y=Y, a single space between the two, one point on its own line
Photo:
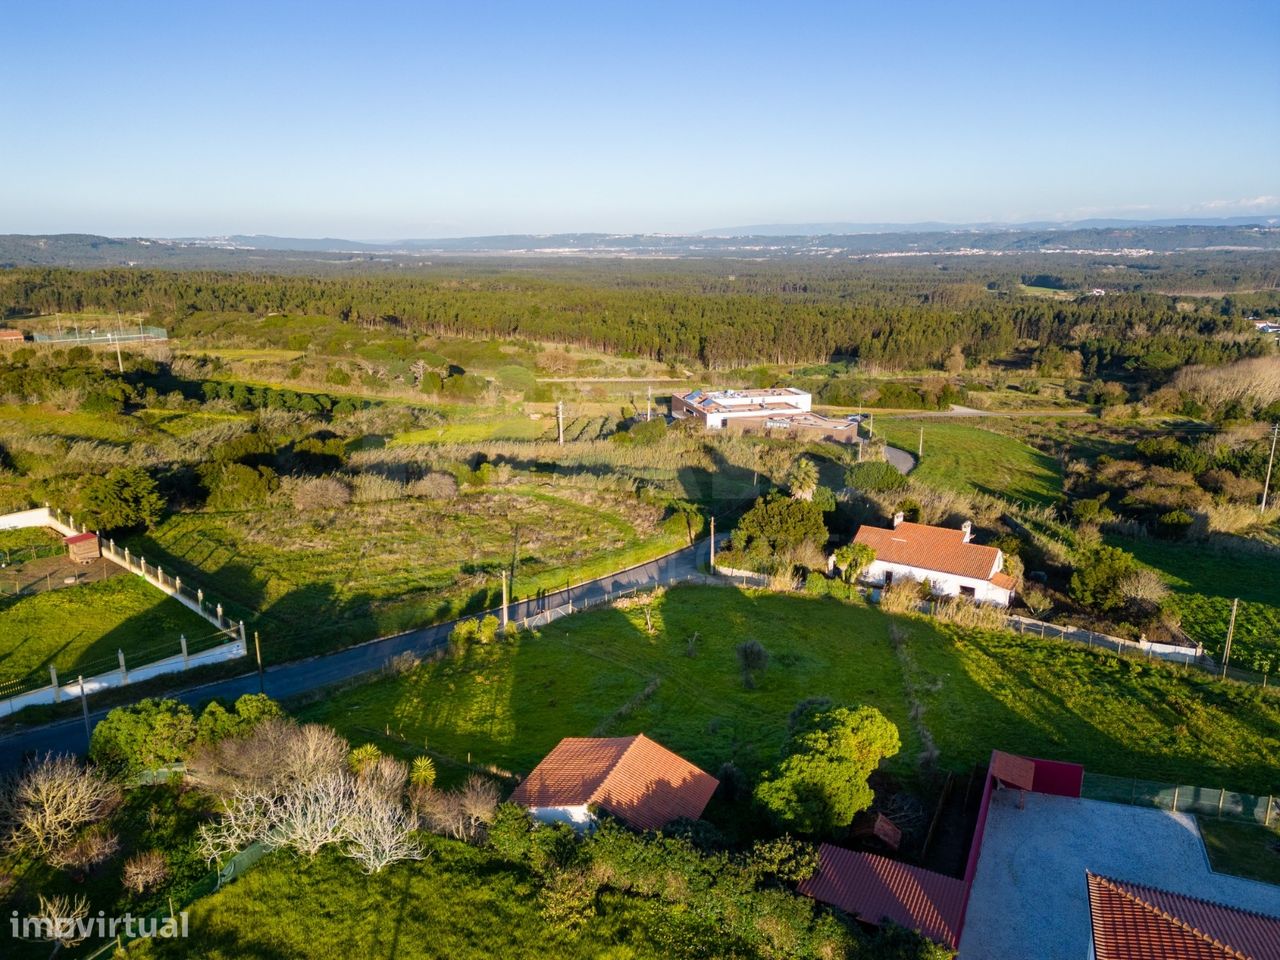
x=944 y=584
x=1057 y=778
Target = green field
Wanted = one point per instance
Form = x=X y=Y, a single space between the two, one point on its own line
x=79 y=629
x=601 y=672
x=1204 y=582
x=312 y=582
x=970 y=458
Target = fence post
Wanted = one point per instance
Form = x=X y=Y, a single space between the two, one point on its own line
x=127 y=562
x=1175 y=798
x=242 y=638
x=219 y=615
x=200 y=598
x=160 y=574
x=1267 y=820
x=1222 y=796
x=182 y=639
x=57 y=690
x=177 y=584
x=124 y=672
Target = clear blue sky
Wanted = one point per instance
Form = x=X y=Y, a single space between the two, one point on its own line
x=380 y=120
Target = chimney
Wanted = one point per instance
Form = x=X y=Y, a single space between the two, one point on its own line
x=898 y=518
x=967 y=529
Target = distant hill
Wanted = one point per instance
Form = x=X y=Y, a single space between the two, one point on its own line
x=827 y=241
x=934 y=226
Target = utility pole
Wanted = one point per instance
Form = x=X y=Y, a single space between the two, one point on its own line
x=920 y=448
x=713 y=543
x=119 y=361
x=1266 y=487
x=504 y=600
x=560 y=423
x=648 y=403
x=1226 y=653
x=257 y=652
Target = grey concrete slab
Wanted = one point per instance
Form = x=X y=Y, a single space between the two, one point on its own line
x=1029 y=897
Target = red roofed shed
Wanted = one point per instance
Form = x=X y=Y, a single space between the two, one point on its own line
x=640 y=782
x=83 y=547
x=874 y=888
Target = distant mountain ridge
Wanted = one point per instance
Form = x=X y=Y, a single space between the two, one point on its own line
x=825 y=241
x=938 y=226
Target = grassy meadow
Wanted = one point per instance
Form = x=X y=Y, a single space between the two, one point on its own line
x=316 y=580
x=1244 y=849
x=602 y=673
x=79 y=629
x=960 y=456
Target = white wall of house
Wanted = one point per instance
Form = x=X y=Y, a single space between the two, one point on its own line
x=578 y=817
x=944 y=584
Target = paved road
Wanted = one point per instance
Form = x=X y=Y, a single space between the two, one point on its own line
x=902 y=461
x=302 y=676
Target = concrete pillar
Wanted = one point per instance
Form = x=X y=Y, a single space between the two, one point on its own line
x=242 y=638
x=200 y=597
x=182 y=639
x=177 y=584
x=57 y=689
x=124 y=671
x=126 y=557
x=219 y=608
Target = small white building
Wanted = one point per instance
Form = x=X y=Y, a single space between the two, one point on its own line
x=715 y=408
x=943 y=557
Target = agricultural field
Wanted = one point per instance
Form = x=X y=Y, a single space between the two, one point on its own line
x=603 y=673
x=78 y=629
x=961 y=456
x=1204 y=582
x=312 y=581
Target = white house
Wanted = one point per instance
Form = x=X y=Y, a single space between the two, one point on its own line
x=941 y=556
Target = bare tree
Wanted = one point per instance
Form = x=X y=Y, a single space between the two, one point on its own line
x=386 y=777
x=54 y=798
x=307 y=819
x=380 y=833
x=93 y=847
x=461 y=814
x=59 y=915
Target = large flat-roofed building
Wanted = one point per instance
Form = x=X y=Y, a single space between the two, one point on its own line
x=716 y=408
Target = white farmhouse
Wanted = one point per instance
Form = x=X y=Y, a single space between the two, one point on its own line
x=941 y=556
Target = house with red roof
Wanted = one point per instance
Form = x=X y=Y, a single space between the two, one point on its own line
x=640 y=782
x=1134 y=922
x=943 y=557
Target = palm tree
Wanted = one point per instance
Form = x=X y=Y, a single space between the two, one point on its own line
x=803 y=479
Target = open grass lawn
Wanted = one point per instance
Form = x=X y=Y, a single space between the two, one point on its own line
x=961 y=456
x=29 y=419
x=79 y=629
x=27 y=539
x=1244 y=849
x=461 y=902
x=601 y=673
x=1204 y=582
x=315 y=581
x=511 y=426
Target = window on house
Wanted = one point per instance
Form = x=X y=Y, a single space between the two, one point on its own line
x=967 y=592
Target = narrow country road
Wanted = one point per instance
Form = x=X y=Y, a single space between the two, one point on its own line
x=302 y=676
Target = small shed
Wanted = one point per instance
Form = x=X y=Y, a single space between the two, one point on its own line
x=9 y=335
x=83 y=547
x=879 y=829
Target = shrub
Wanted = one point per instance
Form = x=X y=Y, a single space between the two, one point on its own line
x=319 y=493
x=876 y=476
x=1097 y=578
x=145 y=871
x=752 y=659
x=234 y=486
x=435 y=486
x=91 y=849
x=142 y=736
x=852 y=559
x=125 y=497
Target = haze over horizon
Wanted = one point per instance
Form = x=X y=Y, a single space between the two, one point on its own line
x=409 y=121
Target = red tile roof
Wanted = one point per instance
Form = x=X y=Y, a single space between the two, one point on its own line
x=940 y=549
x=1133 y=922
x=638 y=781
x=875 y=888
x=80 y=538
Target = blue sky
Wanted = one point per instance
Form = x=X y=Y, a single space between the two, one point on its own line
x=381 y=120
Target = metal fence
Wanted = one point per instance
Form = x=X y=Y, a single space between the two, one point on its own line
x=1202 y=801
x=211 y=882
x=76 y=335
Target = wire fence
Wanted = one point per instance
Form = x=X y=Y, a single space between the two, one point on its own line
x=1202 y=801
x=235 y=867
x=109 y=335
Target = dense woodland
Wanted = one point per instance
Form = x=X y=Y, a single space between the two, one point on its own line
x=899 y=320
